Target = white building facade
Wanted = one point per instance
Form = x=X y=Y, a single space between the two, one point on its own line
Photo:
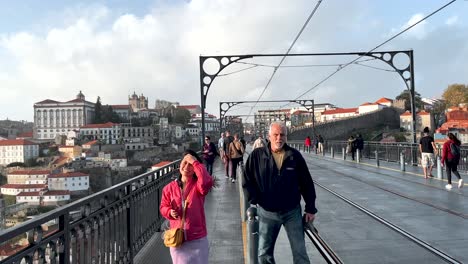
x=71 y=181
x=15 y=189
x=52 y=118
x=17 y=150
x=28 y=177
x=108 y=133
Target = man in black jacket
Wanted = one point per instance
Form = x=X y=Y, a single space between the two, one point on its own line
x=275 y=178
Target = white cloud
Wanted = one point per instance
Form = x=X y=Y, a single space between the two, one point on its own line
x=451 y=20
x=109 y=55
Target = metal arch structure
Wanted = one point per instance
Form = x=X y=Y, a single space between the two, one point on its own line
x=221 y=62
x=225 y=106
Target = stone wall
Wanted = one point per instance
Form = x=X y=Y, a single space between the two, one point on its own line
x=341 y=129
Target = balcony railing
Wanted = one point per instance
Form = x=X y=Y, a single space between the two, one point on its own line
x=110 y=226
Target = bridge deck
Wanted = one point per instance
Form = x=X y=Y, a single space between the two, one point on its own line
x=419 y=206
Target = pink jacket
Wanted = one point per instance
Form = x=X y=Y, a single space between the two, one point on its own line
x=195 y=222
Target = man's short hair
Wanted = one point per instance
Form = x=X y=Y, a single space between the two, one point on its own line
x=426 y=130
x=280 y=124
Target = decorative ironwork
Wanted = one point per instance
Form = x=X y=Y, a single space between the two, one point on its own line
x=225 y=106
x=110 y=226
x=221 y=62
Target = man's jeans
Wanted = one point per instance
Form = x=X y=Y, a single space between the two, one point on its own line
x=270 y=225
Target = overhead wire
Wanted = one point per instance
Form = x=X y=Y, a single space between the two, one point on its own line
x=378 y=46
x=289 y=49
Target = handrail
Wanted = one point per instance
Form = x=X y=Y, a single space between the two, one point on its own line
x=324 y=249
x=113 y=227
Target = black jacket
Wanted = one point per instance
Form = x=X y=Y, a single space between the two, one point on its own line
x=278 y=191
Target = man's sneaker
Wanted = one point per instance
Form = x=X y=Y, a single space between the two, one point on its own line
x=233 y=180
x=460 y=183
x=227 y=177
x=448 y=186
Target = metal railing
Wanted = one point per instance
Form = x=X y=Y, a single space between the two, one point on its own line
x=114 y=225
x=390 y=152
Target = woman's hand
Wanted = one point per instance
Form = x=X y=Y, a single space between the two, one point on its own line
x=189 y=159
x=174 y=214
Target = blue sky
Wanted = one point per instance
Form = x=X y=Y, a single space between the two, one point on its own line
x=54 y=49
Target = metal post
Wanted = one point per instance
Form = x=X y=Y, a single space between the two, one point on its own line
x=377 y=158
x=358 y=158
x=332 y=152
x=323 y=150
x=440 y=174
x=344 y=153
x=402 y=161
x=252 y=232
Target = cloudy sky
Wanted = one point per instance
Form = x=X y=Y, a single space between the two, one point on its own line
x=53 y=49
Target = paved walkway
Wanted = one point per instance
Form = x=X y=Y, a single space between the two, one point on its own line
x=420 y=206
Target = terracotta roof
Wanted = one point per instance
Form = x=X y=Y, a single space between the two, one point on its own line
x=162 y=164
x=91 y=142
x=60 y=160
x=188 y=106
x=58 y=192
x=383 y=100
x=66 y=146
x=339 y=111
x=24 y=186
x=29 y=172
x=120 y=106
x=28 y=194
x=16 y=142
x=407 y=113
x=10 y=249
x=423 y=113
x=47 y=101
x=68 y=175
x=25 y=135
x=106 y=125
x=367 y=103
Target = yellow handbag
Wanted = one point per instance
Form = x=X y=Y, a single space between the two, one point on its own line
x=174 y=237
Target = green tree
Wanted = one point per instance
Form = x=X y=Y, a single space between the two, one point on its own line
x=181 y=116
x=98 y=111
x=455 y=94
x=405 y=95
x=438 y=112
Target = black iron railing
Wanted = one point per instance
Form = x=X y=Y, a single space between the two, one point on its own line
x=388 y=151
x=111 y=227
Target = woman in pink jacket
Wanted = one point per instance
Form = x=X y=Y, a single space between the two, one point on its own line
x=192 y=185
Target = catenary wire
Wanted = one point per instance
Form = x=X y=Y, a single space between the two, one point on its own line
x=378 y=46
x=289 y=49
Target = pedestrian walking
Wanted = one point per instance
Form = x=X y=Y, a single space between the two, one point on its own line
x=209 y=154
x=275 y=179
x=227 y=161
x=451 y=158
x=190 y=188
x=236 y=154
x=427 y=147
x=220 y=147
x=351 y=146
x=307 y=144
x=359 y=144
x=259 y=142
x=320 y=143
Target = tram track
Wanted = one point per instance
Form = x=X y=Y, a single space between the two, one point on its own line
x=393 y=176
x=423 y=244
x=435 y=251
x=438 y=207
